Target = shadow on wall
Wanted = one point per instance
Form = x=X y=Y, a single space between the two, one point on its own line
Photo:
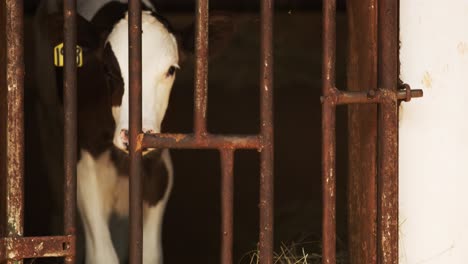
x=192 y=223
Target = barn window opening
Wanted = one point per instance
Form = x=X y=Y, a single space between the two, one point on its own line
x=317 y=199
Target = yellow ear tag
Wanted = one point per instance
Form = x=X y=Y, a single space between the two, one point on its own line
x=58 y=55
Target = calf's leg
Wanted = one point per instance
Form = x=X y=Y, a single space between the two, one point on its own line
x=153 y=220
x=94 y=210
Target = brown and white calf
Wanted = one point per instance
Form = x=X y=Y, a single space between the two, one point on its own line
x=103 y=116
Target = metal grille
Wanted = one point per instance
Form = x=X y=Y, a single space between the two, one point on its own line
x=14 y=248
x=387 y=97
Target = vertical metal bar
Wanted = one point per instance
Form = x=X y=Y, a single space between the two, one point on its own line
x=201 y=68
x=135 y=96
x=3 y=122
x=362 y=132
x=227 y=204
x=267 y=155
x=328 y=133
x=388 y=133
x=14 y=162
x=70 y=119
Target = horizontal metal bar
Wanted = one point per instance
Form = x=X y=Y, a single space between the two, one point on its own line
x=190 y=141
x=17 y=248
x=339 y=97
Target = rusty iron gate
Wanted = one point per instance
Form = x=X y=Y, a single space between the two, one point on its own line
x=14 y=247
x=382 y=18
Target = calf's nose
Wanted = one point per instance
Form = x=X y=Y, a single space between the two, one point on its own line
x=124 y=137
x=148 y=131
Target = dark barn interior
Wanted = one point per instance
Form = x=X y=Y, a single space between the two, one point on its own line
x=192 y=221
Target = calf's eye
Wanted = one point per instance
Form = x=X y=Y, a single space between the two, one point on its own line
x=171 y=71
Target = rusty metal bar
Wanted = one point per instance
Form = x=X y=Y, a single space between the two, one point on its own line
x=189 y=141
x=70 y=120
x=387 y=223
x=266 y=130
x=227 y=205
x=328 y=134
x=13 y=153
x=135 y=97
x=18 y=248
x=328 y=183
x=201 y=68
x=362 y=132
x=3 y=121
x=371 y=96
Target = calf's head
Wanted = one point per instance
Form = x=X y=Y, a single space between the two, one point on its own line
x=103 y=81
x=160 y=60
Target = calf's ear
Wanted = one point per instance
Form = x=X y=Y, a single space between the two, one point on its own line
x=87 y=37
x=221 y=28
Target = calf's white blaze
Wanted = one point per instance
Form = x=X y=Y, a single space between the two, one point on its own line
x=434 y=133
x=159 y=53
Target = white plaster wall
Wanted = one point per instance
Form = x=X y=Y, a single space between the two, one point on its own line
x=434 y=132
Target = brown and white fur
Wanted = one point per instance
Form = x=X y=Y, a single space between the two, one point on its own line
x=103 y=117
x=102 y=169
x=102 y=187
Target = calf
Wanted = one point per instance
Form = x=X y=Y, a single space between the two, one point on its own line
x=103 y=116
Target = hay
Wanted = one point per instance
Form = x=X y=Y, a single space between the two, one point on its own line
x=294 y=253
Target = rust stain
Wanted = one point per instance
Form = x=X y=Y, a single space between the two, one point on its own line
x=462 y=48
x=139 y=142
x=427 y=80
x=18 y=248
x=176 y=137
